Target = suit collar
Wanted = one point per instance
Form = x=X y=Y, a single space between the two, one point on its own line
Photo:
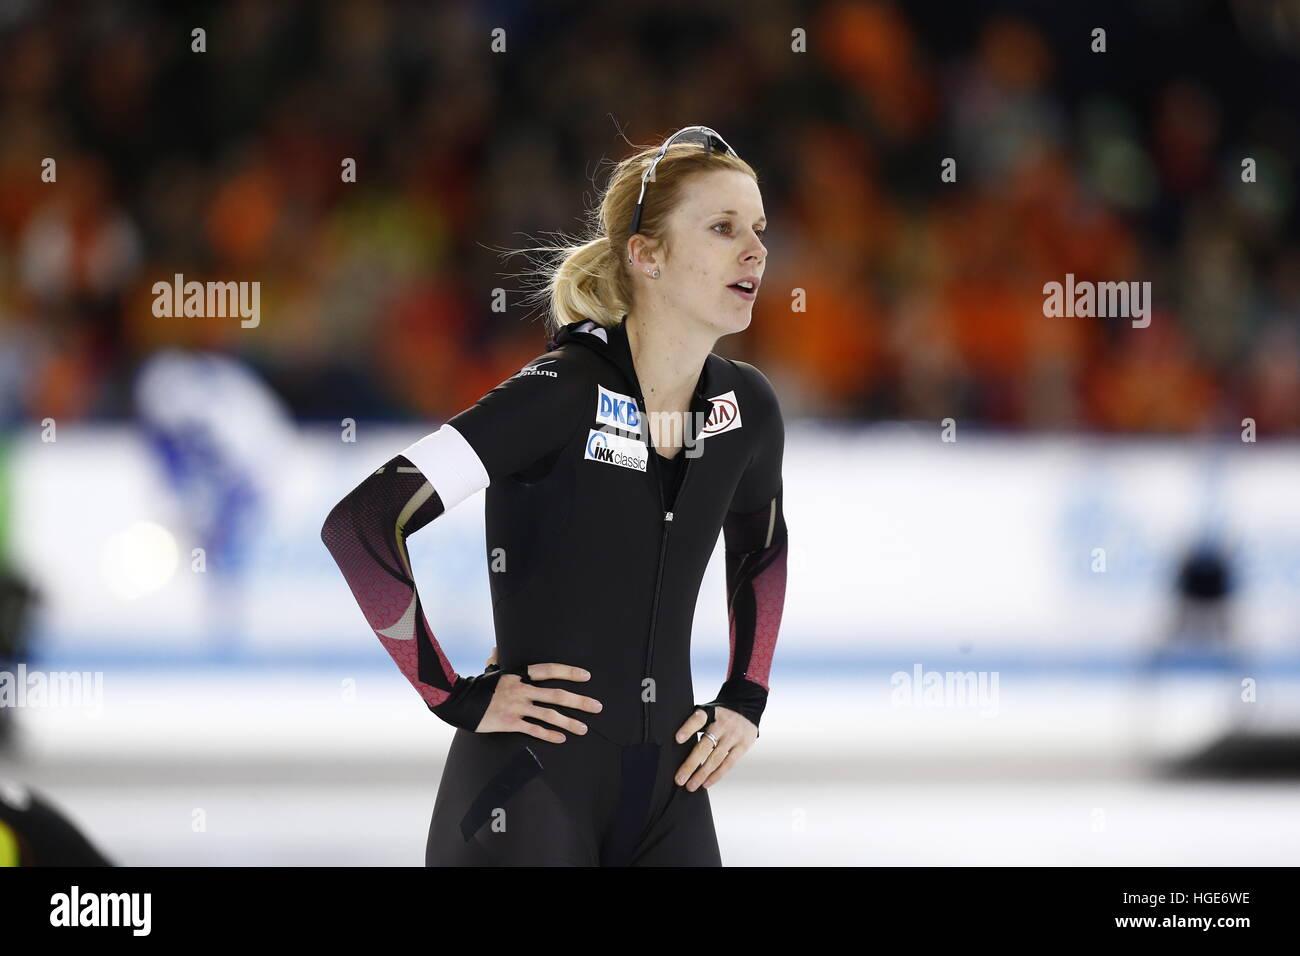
x=611 y=342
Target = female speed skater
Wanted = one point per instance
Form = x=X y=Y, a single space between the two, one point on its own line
x=611 y=461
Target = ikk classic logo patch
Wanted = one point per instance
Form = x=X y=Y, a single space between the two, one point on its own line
x=615 y=449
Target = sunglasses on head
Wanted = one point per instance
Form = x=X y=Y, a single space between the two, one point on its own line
x=706 y=137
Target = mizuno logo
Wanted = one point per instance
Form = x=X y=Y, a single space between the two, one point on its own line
x=537 y=370
x=613 y=449
x=617 y=410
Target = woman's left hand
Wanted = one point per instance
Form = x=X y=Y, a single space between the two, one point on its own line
x=706 y=764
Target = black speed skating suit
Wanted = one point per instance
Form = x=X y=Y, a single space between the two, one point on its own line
x=595 y=558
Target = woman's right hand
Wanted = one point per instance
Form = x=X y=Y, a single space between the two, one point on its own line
x=513 y=700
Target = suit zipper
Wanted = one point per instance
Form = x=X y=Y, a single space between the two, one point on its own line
x=663 y=549
x=659 y=568
x=654 y=614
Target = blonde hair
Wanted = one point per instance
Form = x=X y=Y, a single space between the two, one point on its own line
x=588 y=277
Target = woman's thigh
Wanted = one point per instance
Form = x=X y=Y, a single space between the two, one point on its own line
x=510 y=799
x=680 y=831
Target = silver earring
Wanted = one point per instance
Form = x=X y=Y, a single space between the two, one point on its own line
x=653 y=275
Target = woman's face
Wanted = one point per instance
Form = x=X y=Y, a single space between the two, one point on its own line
x=715 y=236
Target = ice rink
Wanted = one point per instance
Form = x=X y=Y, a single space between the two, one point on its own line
x=333 y=767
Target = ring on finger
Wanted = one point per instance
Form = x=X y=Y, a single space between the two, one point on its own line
x=713 y=738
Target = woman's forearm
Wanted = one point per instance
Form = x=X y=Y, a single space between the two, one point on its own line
x=366 y=535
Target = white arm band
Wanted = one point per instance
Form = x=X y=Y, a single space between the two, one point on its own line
x=451 y=465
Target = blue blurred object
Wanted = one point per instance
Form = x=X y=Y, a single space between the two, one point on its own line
x=211 y=422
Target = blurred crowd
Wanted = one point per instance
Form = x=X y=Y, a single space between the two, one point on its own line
x=924 y=298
